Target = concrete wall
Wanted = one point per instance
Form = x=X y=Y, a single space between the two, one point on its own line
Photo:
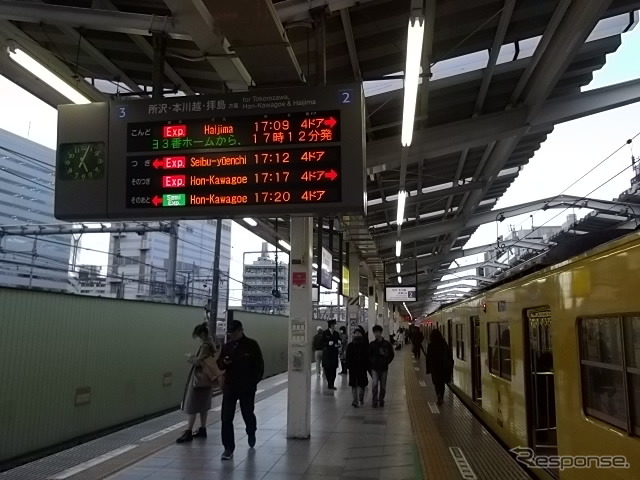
x=72 y=365
x=270 y=331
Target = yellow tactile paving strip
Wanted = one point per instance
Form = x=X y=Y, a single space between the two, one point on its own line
x=435 y=457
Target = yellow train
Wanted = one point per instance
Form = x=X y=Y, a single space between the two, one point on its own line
x=551 y=363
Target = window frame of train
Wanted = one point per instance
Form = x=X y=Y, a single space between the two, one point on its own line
x=459 y=328
x=622 y=330
x=501 y=327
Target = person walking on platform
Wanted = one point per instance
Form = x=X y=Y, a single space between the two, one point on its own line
x=358 y=364
x=241 y=360
x=344 y=338
x=380 y=356
x=417 y=338
x=318 y=345
x=330 y=353
x=439 y=362
x=199 y=388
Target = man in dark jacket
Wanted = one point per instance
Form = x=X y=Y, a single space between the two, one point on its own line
x=330 y=353
x=380 y=356
x=241 y=360
x=439 y=362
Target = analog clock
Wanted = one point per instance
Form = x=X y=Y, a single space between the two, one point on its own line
x=81 y=161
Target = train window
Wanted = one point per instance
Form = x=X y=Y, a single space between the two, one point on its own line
x=460 y=341
x=632 y=353
x=602 y=370
x=500 y=349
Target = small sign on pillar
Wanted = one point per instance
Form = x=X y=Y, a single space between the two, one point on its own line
x=298 y=279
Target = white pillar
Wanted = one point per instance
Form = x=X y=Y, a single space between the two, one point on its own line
x=353 y=311
x=299 y=386
x=371 y=314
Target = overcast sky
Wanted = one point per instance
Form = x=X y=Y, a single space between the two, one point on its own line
x=571 y=150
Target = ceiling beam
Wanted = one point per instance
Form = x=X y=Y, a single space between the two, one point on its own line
x=479 y=131
x=12 y=36
x=146 y=48
x=92 y=18
x=99 y=57
x=195 y=16
x=299 y=10
x=416 y=197
x=422 y=232
x=351 y=43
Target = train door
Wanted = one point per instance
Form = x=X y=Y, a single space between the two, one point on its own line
x=541 y=403
x=476 y=380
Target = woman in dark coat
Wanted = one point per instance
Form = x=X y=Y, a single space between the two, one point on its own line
x=330 y=352
x=439 y=362
x=358 y=365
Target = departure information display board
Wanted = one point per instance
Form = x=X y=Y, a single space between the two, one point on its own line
x=289 y=151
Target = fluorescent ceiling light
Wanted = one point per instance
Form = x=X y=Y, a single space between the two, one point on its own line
x=336 y=279
x=402 y=196
x=250 y=221
x=314 y=265
x=399 y=279
x=284 y=245
x=398 y=267
x=47 y=76
x=398 y=247
x=415 y=35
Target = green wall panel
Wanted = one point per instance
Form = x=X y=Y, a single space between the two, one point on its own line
x=51 y=345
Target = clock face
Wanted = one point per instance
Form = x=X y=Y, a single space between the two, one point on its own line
x=81 y=161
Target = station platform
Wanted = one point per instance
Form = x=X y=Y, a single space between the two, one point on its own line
x=409 y=438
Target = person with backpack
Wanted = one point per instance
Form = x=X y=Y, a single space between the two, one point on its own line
x=198 y=391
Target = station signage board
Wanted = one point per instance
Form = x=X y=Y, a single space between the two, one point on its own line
x=258 y=153
x=326 y=269
x=400 y=294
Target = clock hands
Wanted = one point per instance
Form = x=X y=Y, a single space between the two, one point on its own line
x=82 y=163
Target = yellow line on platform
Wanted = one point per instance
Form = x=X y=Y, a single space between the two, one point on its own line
x=433 y=453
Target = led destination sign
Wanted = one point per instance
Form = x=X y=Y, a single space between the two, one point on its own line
x=235 y=178
x=254 y=169
x=276 y=152
x=223 y=132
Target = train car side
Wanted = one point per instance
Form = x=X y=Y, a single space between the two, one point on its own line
x=532 y=366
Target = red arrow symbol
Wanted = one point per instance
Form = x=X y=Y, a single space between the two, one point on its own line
x=331 y=175
x=330 y=122
x=156 y=201
x=157 y=163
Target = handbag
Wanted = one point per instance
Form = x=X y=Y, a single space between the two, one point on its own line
x=200 y=378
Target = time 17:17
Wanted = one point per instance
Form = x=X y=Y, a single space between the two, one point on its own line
x=271 y=177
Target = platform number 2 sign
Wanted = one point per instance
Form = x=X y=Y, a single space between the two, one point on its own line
x=345 y=97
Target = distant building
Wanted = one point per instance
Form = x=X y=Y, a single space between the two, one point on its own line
x=91 y=281
x=26 y=197
x=138 y=264
x=266 y=285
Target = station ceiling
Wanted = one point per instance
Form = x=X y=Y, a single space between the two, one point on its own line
x=497 y=77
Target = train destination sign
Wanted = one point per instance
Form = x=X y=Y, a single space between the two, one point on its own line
x=288 y=151
x=400 y=294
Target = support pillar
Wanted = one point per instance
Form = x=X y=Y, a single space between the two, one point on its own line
x=371 y=311
x=300 y=311
x=215 y=283
x=353 y=310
